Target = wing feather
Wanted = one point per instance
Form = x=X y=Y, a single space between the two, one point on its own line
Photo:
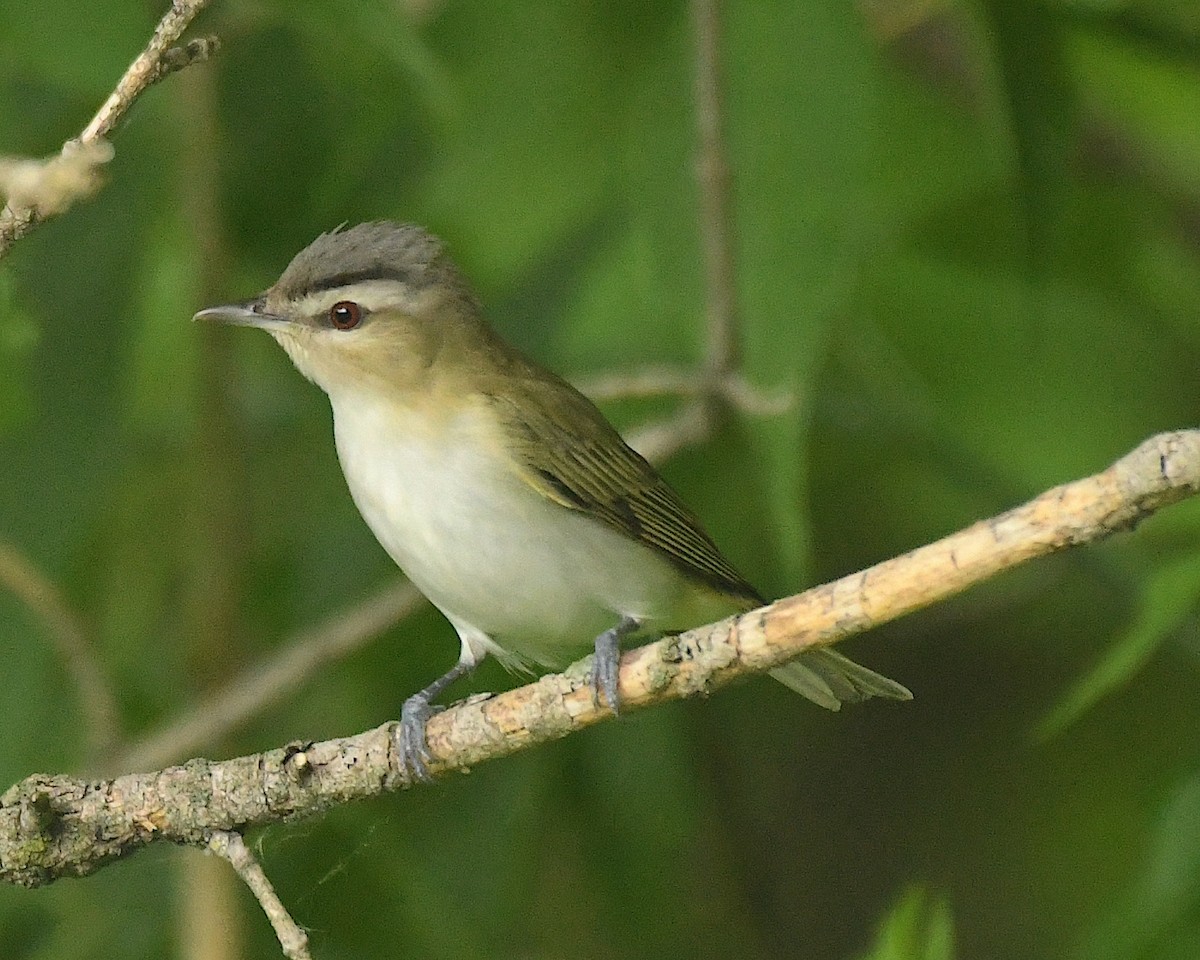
x=570 y=454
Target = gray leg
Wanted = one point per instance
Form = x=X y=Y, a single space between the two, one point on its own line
x=607 y=663
x=409 y=737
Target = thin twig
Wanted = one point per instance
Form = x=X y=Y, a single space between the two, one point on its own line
x=268 y=682
x=61 y=826
x=715 y=193
x=647 y=383
x=65 y=630
x=16 y=220
x=230 y=846
x=148 y=67
x=694 y=423
x=743 y=395
x=644 y=383
x=659 y=441
x=185 y=55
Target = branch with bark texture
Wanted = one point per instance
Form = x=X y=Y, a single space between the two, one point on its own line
x=275 y=677
x=38 y=189
x=231 y=847
x=56 y=826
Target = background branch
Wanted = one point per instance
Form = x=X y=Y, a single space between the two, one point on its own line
x=73 y=174
x=60 y=826
x=76 y=653
x=715 y=193
x=269 y=681
x=232 y=848
x=718 y=378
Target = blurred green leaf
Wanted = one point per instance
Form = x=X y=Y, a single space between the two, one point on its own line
x=161 y=390
x=18 y=336
x=919 y=927
x=1169 y=598
x=1159 y=918
x=76 y=45
x=1149 y=97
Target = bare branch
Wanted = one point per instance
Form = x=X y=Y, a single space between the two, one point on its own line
x=651 y=382
x=716 y=380
x=46 y=188
x=232 y=847
x=743 y=395
x=60 y=826
x=148 y=67
x=643 y=383
x=71 y=643
x=715 y=188
x=185 y=55
x=268 y=682
x=688 y=427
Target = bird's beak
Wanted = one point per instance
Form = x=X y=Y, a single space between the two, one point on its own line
x=252 y=313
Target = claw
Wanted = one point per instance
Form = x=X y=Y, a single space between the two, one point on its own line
x=606 y=664
x=408 y=738
x=606 y=668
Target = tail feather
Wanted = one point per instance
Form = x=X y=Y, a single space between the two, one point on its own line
x=828 y=679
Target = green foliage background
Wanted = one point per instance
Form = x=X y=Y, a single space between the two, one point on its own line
x=967 y=243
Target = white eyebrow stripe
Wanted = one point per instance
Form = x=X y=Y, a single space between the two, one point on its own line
x=368 y=294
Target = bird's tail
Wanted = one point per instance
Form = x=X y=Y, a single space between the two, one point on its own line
x=829 y=680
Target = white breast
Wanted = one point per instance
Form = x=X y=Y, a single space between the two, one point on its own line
x=487 y=549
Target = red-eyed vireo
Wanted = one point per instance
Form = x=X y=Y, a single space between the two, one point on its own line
x=498 y=488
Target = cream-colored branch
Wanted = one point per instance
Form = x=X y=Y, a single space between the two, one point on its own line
x=256 y=688
x=660 y=440
x=646 y=383
x=37 y=189
x=55 y=826
x=641 y=384
x=230 y=846
x=65 y=631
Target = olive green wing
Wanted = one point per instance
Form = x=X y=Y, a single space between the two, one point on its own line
x=571 y=455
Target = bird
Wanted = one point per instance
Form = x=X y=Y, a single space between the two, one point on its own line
x=500 y=491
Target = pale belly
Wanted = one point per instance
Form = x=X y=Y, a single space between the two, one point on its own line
x=535 y=578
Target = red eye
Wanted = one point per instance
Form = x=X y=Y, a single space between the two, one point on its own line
x=345 y=314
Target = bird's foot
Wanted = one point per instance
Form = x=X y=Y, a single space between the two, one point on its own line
x=408 y=738
x=606 y=664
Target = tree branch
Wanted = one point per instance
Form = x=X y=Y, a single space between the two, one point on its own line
x=232 y=848
x=717 y=380
x=715 y=193
x=54 y=826
x=38 y=189
x=34 y=589
x=259 y=686
x=644 y=383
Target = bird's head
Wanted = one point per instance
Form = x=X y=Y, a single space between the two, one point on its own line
x=368 y=307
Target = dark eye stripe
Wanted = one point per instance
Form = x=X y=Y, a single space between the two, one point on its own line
x=408 y=277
